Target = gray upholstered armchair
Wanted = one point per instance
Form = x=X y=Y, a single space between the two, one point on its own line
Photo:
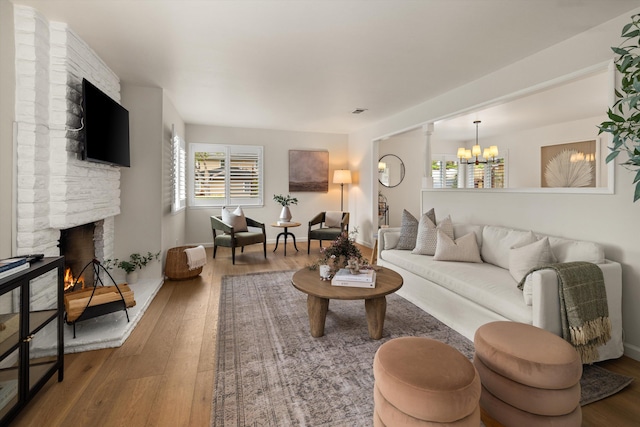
x=225 y=235
x=326 y=231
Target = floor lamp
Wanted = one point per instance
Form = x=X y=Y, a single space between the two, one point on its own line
x=342 y=177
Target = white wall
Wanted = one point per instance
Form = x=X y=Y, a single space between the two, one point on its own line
x=173 y=225
x=138 y=227
x=410 y=148
x=607 y=219
x=277 y=144
x=7 y=116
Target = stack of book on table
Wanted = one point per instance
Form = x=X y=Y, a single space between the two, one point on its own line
x=362 y=279
x=11 y=266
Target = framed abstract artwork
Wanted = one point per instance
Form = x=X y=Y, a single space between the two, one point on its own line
x=574 y=164
x=308 y=171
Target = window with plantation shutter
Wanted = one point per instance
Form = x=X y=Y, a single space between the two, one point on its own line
x=486 y=175
x=178 y=174
x=444 y=172
x=225 y=175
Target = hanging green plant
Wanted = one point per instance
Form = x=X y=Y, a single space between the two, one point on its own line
x=624 y=116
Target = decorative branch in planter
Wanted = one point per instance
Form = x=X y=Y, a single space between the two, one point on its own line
x=624 y=116
x=135 y=262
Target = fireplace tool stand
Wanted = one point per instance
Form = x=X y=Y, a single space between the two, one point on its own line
x=97 y=301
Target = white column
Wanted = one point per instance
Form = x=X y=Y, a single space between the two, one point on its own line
x=427 y=178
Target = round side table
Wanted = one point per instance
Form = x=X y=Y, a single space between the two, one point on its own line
x=286 y=234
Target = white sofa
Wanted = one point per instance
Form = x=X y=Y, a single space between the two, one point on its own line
x=466 y=295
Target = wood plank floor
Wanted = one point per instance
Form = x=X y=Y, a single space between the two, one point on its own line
x=163 y=374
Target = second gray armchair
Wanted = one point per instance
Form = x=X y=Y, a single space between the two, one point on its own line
x=327 y=226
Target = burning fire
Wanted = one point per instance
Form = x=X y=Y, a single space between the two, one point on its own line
x=69 y=280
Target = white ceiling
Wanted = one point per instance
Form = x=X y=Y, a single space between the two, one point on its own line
x=578 y=98
x=305 y=65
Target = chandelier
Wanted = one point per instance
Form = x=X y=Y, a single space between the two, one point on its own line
x=489 y=154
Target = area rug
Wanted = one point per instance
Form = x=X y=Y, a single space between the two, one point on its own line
x=271 y=372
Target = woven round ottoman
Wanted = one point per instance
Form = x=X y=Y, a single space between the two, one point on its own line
x=424 y=382
x=176 y=267
x=529 y=376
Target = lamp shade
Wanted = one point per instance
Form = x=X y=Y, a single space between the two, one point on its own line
x=342 y=176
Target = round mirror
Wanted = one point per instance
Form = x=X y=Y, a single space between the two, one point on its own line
x=390 y=170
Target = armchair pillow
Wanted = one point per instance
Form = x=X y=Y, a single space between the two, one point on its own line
x=235 y=219
x=333 y=219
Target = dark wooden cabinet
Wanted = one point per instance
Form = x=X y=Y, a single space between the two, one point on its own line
x=31 y=334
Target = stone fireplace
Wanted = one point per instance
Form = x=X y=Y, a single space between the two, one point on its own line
x=56 y=189
x=57 y=192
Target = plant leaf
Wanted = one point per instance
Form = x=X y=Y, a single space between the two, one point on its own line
x=612 y=156
x=619 y=51
x=615 y=117
x=636 y=195
x=637 y=178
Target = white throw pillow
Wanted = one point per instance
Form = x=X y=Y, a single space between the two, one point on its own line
x=391 y=240
x=497 y=241
x=527 y=290
x=463 y=249
x=235 y=219
x=522 y=259
x=427 y=238
x=333 y=219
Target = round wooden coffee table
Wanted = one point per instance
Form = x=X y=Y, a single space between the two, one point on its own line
x=319 y=293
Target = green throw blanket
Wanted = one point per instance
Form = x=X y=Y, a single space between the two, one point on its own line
x=583 y=306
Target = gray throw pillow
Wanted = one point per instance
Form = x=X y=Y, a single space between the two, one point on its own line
x=427 y=238
x=409 y=229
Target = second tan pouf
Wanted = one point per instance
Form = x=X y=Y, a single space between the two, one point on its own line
x=528 y=375
x=420 y=381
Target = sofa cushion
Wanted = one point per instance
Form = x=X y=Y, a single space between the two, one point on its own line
x=427 y=237
x=485 y=284
x=391 y=240
x=497 y=241
x=522 y=259
x=463 y=249
x=409 y=229
x=235 y=219
x=460 y=230
x=568 y=250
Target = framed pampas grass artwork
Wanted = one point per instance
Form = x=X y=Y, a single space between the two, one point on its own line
x=572 y=165
x=308 y=171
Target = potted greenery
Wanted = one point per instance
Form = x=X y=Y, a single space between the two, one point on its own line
x=339 y=254
x=285 y=201
x=135 y=262
x=624 y=116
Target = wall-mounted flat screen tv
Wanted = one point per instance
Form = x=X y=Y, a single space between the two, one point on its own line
x=106 y=127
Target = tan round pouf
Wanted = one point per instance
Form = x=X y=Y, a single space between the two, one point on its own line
x=425 y=380
x=510 y=416
x=529 y=376
x=531 y=399
x=528 y=355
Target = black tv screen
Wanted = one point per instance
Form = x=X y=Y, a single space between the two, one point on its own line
x=106 y=126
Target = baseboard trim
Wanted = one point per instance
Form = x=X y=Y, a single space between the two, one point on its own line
x=632 y=351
